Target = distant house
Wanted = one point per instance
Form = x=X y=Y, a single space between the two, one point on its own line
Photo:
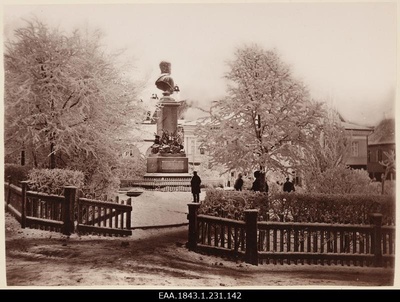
x=358 y=156
x=380 y=141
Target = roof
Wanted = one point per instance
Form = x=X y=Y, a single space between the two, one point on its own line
x=352 y=126
x=384 y=133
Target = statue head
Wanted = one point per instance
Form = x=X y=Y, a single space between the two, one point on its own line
x=165 y=67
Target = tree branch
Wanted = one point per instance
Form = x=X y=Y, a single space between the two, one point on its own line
x=66 y=102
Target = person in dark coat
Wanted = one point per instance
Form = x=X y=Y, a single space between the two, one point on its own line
x=256 y=183
x=239 y=183
x=288 y=186
x=195 y=183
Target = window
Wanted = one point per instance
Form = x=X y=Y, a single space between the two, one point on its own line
x=379 y=155
x=354 y=149
x=201 y=151
x=369 y=156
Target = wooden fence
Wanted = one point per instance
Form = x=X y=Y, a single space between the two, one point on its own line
x=166 y=184
x=103 y=217
x=156 y=184
x=59 y=213
x=292 y=243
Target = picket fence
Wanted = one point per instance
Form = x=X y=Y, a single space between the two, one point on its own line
x=68 y=213
x=292 y=243
x=166 y=184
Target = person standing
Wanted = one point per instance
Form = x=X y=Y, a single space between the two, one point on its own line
x=256 y=183
x=288 y=186
x=195 y=183
x=239 y=183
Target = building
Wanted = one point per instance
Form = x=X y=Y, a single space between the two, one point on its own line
x=380 y=143
x=358 y=156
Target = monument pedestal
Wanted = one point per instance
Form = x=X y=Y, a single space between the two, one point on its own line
x=171 y=163
x=168 y=159
x=174 y=164
x=167 y=167
x=168 y=115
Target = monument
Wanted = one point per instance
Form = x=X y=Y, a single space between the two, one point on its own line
x=168 y=157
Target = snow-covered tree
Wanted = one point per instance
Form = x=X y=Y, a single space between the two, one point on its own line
x=66 y=99
x=266 y=119
x=328 y=147
x=341 y=179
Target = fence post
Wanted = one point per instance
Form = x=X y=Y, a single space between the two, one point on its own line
x=129 y=214
x=69 y=209
x=250 y=218
x=9 y=190
x=192 y=217
x=24 y=185
x=376 y=244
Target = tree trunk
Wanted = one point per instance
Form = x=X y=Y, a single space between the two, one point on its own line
x=52 y=157
x=383 y=183
x=35 y=164
x=22 y=157
x=262 y=179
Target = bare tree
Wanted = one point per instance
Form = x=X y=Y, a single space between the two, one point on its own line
x=389 y=163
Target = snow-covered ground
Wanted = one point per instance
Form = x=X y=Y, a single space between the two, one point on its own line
x=156 y=257
x=154 y=208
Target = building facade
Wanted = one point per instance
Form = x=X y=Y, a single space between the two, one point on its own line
x=381 y=143
x=358 y=155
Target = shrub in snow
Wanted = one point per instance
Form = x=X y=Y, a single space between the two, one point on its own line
x=53 y=181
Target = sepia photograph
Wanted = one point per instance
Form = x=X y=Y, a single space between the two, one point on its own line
x=201 y=151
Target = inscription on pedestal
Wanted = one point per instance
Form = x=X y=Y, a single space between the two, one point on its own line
x=172 y=165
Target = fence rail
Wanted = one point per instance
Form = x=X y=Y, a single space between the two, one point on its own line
x=59 y=213
x=13 y=204
x=292 y=243
x=166 y=184
x=103 y=217
x=43 y=211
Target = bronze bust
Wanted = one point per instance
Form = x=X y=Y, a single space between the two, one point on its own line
x=165 y=81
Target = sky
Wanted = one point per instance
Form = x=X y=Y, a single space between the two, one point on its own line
x=345 y=53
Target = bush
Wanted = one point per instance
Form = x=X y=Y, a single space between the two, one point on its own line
x=15 y=173
x=322 y=208
x=331 y=208
x=131 y=167
x=340 y=180
x=231 y=204
x=376 y=187
x=52 y=181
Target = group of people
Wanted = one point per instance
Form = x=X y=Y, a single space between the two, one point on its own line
x=257 y=186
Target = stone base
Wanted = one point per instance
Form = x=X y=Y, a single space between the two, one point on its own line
x=163 y=176
x=167 y=164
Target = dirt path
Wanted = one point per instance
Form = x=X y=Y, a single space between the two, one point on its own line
x=154 y=258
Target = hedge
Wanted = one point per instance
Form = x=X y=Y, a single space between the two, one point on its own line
x=15 y=173
x=231 y=204
x=53 y=181
x=299 y=207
